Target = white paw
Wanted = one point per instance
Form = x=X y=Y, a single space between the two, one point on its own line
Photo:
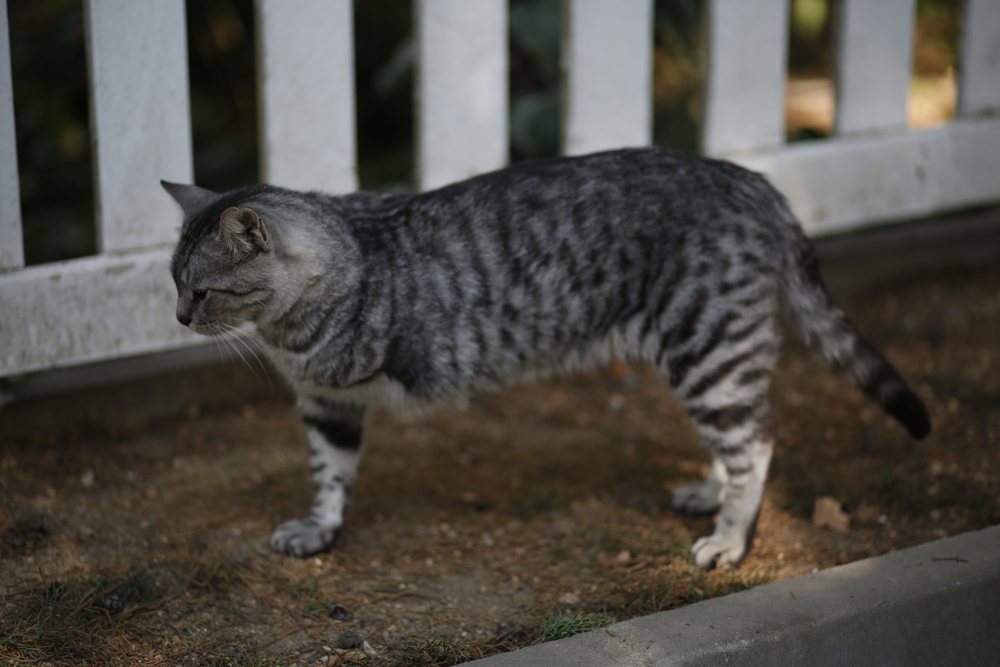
x=718 y=549
x=303 y=537
x=699 y=497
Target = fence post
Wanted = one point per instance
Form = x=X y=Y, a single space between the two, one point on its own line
x=305 y=72
x=140 y=118
x=462 y=89
x=11 y=241
x=607 y=62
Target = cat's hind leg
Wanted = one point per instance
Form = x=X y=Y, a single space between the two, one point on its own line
x=723 y=386
x=334 y=433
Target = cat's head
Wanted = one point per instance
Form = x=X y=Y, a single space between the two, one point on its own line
x=240 y=257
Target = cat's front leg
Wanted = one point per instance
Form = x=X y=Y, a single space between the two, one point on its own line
x=334 y=432
x=699 y=498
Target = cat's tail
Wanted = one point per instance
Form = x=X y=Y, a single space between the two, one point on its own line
x=824 y=327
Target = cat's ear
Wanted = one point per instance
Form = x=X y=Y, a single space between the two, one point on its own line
x=243 y=232
x=191 y=198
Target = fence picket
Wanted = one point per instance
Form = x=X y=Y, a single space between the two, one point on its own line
x=462 y=89
x=979 y=58
x=744 y=91
x=140 y=120
x=305 y=70
x=874 y=54
x=11 y=245
x=607 y=65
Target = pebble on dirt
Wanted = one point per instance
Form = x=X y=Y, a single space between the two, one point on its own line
x=338 y=612
x=113 y=605
x=350 y=639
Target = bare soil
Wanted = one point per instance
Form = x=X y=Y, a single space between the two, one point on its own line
x=475 y=524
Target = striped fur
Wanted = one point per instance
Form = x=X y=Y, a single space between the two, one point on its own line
x=543 y=267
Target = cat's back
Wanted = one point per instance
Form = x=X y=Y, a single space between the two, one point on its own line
x=616 y=193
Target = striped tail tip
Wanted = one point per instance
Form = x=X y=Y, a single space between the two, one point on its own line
x=911 y=413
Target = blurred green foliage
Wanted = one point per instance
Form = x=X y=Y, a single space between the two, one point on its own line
x=53 y=140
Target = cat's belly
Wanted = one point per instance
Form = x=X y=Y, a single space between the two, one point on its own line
x=380 y=390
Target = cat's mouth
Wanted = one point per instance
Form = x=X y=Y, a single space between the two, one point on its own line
x=214 y=328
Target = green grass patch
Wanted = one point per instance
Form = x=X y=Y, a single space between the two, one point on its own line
x=564 y=625
x=435 y=652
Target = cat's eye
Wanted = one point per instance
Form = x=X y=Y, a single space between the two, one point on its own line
x=199 y=294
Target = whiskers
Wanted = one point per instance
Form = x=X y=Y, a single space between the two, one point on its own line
x=234 y=337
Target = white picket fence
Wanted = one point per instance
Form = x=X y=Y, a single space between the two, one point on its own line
x=120 y=302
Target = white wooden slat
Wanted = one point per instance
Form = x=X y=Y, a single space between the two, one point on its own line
x=744 y=90
x=979 y=58
x=140 y=118
x=607 y=64
x=874 y=55
x=462 y=89
x=852 y=182
x=89 y=309
x=305 y=70
x=11 y=245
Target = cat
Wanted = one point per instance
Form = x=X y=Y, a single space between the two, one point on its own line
x=546 y=266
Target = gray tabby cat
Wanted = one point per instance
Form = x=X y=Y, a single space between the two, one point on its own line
x=543 y=267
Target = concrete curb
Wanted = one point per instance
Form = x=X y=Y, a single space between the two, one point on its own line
x=935 y=604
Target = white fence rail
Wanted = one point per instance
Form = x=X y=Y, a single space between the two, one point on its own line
x=121 y=302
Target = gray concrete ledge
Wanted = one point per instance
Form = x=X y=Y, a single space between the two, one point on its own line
x=936 y=604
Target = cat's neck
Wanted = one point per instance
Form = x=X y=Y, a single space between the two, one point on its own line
x=336 y=330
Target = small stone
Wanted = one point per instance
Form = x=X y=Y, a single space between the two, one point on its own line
x=828 y=513
x=624 y=556
x=569 y=598
x=338 y=612
x=113 y=605
x=350 y=639
x=235 y=654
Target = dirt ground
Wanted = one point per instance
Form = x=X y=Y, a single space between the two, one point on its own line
x=477 y=528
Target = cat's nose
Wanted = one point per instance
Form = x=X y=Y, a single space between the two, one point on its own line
x=183 y=318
